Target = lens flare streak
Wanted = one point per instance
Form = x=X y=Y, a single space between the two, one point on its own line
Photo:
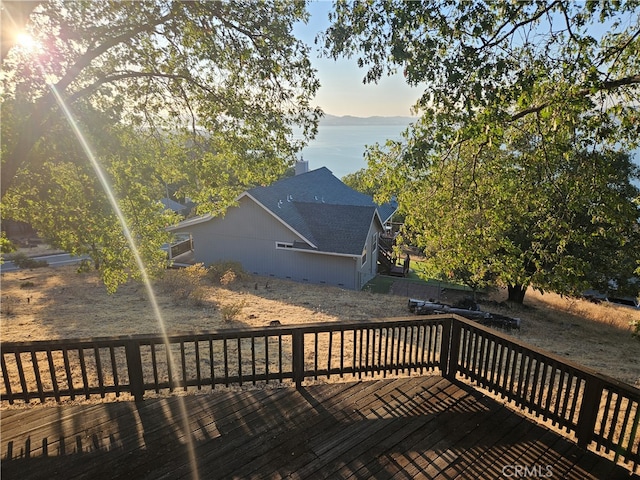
x=134 y=249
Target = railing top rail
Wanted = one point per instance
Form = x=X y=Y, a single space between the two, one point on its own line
x=228 y=333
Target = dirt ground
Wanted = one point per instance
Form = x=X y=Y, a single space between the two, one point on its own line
x=58 y=303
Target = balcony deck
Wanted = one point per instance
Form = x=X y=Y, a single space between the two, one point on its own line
x=403 y=428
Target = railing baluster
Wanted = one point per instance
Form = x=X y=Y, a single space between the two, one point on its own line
x=168 y=356
x=114 y=370
x=183 y=364
x=226 y=362
x=356 y=365
x=67 y=369
x=212 y=371
x=614 y=420
x=240 y=360
x=36 y=372
x=253 y=360
x=366 y=355
x=280 y=364
x=386 y=352
x=266 y=359
x=154 y=363
x=550 y=390
x=83 y=369
x=196 y=345
x=52 y=372
x=5 y=377
x=96 y=353
x=23 y=380
x=315 y=355
x=341 y=353
x=329 y=353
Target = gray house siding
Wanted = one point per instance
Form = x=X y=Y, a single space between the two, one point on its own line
x=367 y=270
x=250 y=235
x=319 y=268
x=246 y=232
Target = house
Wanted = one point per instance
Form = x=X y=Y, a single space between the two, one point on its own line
x=309 y=228
x=169 y=204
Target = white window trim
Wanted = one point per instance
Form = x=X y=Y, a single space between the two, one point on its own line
x=283 y=245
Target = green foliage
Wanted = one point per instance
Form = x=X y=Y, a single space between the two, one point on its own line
x=184 y=283
x=360 y=181
x=63 y=200
x=485 y=64
x=6 y=246
x=231 y=311
x=23 y=261
x=200 y=98
x=514 y=173
x=542 y=214
x=225 y=273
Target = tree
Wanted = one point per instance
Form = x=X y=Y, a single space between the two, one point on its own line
x=521 y=100
x=564 y=221
x=212 y=89
x=491 y=63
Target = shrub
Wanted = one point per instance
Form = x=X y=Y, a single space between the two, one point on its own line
x=231 y=311
x=225 y=273
x=185 y=283
x=22 y=261
x=8 y=305
x=27 y=284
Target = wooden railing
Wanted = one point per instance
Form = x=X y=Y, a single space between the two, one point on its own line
x=180 y=248
x=597 y=410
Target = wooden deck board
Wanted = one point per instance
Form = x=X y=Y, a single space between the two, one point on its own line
x=419 y=427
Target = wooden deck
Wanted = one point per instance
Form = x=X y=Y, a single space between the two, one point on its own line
x=419 y=427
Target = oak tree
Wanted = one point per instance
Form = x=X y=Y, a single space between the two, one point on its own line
x=517 y=170
x=214 y=90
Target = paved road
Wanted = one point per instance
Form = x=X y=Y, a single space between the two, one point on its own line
x=56 y=260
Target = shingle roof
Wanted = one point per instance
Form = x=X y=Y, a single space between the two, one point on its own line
x=331 y=216
x=172 y=205
x=328 y=213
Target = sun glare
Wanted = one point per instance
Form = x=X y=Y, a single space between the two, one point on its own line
x=26 y=42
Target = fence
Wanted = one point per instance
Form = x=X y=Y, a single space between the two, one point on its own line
x=598 y=410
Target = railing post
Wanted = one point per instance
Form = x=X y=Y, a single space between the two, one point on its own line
x=589 y=410
x=450 y=348
x=298 y=357
x=134 y=367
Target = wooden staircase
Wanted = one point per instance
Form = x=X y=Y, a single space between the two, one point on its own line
x=387 y=262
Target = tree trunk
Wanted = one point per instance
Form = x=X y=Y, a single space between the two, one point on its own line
x=516 y=293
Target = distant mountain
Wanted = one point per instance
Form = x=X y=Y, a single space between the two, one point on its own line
x=348 y=120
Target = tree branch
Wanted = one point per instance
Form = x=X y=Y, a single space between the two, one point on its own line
x=86 y=58
x=604 y=86
x=494 y=41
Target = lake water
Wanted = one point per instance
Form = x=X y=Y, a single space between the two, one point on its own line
x=341 y=148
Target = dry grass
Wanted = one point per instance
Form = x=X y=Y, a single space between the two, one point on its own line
x=59 y=303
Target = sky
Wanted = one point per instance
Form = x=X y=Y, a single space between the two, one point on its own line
x=342 y=91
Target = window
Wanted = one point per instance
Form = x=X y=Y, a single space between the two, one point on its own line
x=364 y=255
x=374 y=242
x=284 y=245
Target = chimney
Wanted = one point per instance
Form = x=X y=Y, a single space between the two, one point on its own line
x=302 y=166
